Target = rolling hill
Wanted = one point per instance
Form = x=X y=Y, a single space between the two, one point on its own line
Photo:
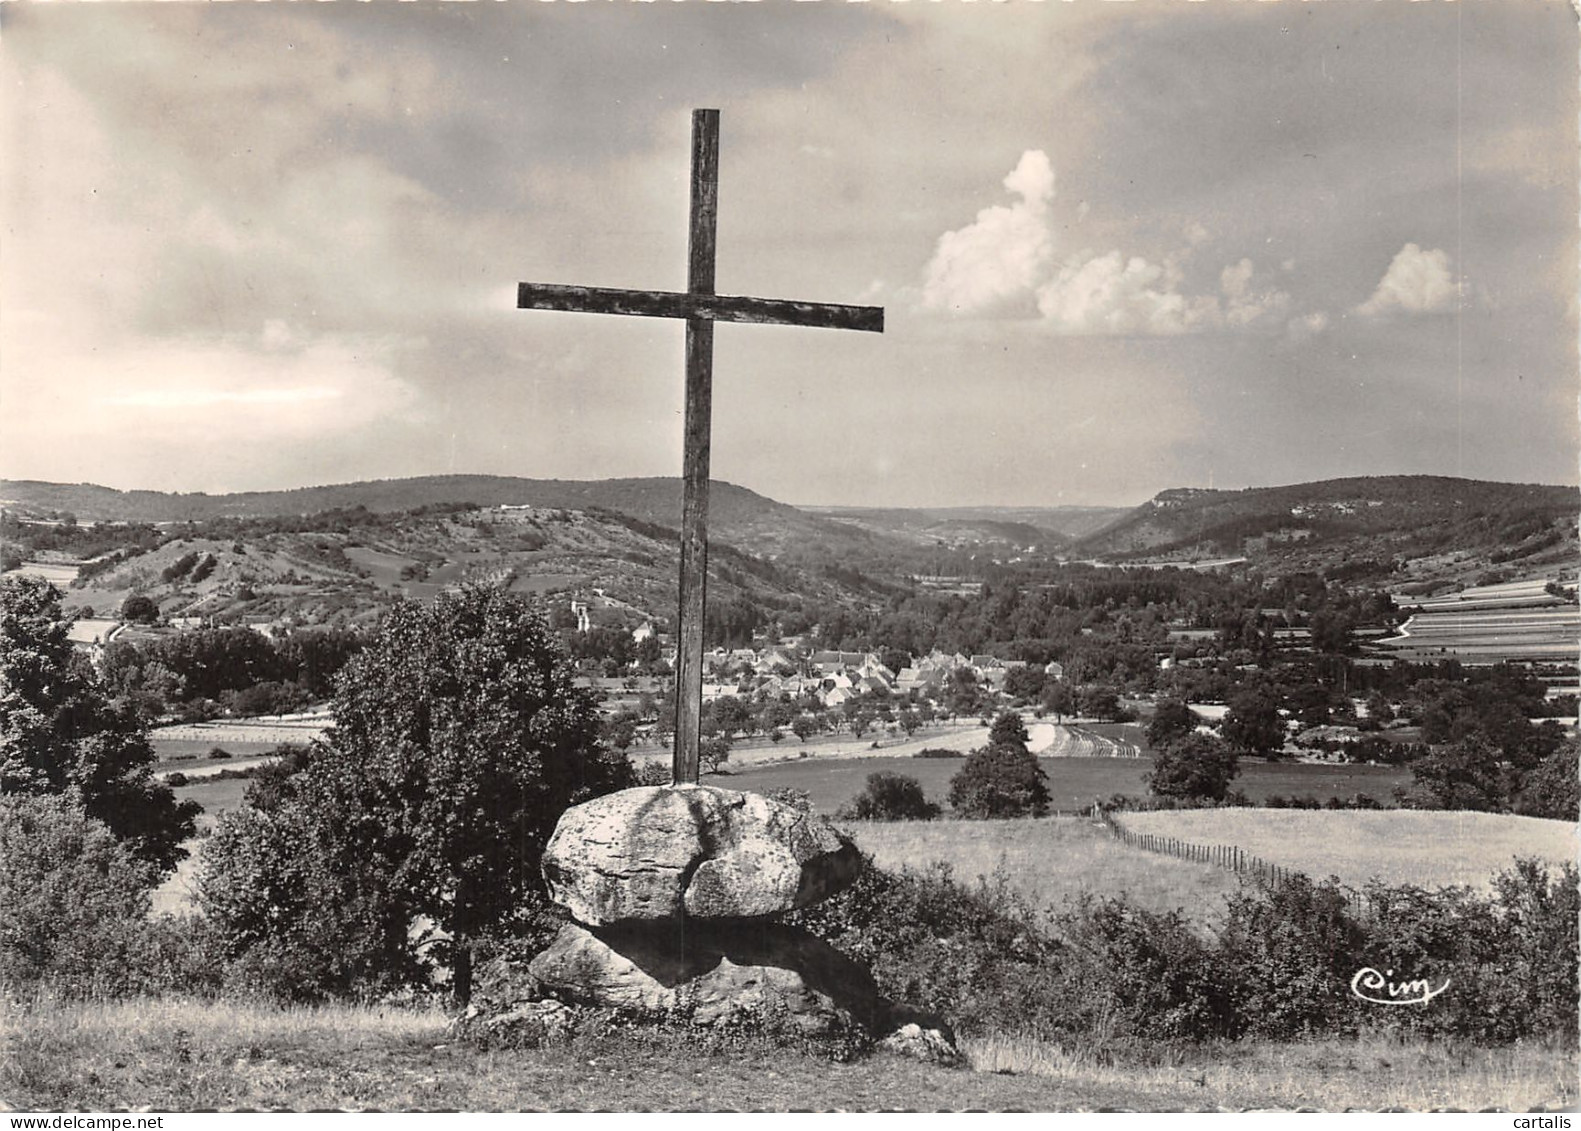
x=736 y=515
x=1026 y=529
x=346 y=565
x=1436 y=528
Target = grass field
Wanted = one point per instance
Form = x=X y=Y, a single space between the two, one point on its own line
x=1396 y=846
x=1074 y=783
x=190 y=753
x=177 y=1054
x=1048 y=861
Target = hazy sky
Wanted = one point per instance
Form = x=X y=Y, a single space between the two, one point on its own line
x=1121 y=247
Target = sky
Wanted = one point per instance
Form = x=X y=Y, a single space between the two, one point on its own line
x=1121 y=247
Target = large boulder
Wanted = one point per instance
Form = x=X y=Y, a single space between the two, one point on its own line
x=664 y=853
x=713 y=973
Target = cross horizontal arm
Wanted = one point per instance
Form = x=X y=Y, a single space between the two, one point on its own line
x=716 y=308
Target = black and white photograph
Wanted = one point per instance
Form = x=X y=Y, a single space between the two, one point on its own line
x=789 y=556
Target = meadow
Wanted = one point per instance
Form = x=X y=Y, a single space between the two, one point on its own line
x=1074 y=783
x=1428 y=849
x=184 y=1054
x=1047 y=862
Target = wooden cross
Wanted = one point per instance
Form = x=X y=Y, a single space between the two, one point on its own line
x=701 y=308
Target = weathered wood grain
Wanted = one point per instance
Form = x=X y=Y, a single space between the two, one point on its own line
x=715 y=308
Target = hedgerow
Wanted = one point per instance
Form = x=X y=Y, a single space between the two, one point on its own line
x=1103 y=975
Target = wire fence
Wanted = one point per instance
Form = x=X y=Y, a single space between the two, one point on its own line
x=1233 y=857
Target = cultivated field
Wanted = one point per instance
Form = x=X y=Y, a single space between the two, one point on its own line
x=1518 y=620
x=1095 y=741
x=1395 y=846
x=1047 y=861
x=272 y=729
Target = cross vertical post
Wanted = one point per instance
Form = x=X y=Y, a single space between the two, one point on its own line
x=701 y=306
x=684 y=763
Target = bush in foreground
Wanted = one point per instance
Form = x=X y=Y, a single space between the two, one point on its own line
x=890 y=797
x=459 y=739
x=72 y=897
x=74 y=904
x=1104 y=976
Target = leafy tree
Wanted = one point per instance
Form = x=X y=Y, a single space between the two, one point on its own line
x=1172 y=721
x=140 y=609
x=1000 y=781
x=1462 y=775
x=1008 y=730
x=1025 y=684
x=1380 y=711
x=1253 y=725
x=60 y=733
x=286 y=920
x=804 y=726
x=1197 y=766
x=962 y=696
x=890 y=797
x=1331 y=631
x=713 y=752
x=910 y=721
x=1553 y=789
x=1100 y=702
x=1059 y=700
x=895 y=659
x=459 y=739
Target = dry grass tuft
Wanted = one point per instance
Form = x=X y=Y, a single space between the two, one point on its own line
x=176 y=1054
x=1329 y=1075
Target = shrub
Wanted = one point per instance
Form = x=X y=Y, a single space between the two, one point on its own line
x=890 y=797
x=976 y=955
x=1291 y=953
x=1105 y=976
x=1134 y=977
x=176 y=779
x=1000 y=781
x=73 y=899
x=1510 y=960
x=939 y=752
x=286 y=926
x=218 y=753
x=798 y=799
x=654 y=771
x=274 y=783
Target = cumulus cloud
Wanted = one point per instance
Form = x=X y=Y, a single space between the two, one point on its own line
x=1417 y=282
x=1115 y=294
x=1242 y=305
x=1112 y=294
x=1001 y=254
x=1006 y=257
x=1307 y=325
